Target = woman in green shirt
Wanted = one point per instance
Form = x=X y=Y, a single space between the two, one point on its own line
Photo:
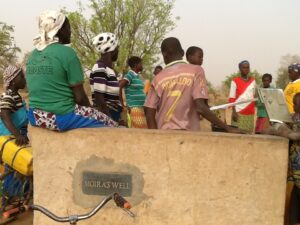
x=134 y=92
x=54 y=75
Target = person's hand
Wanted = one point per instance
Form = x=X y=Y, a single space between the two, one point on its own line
x=21 y=140
x=235 y=130
x=269 y=131
x=122 y=123
x=235 y=116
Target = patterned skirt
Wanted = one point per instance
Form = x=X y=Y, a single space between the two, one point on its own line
x=81 y=117
x=262 y=123
x=136 y=118
x=245 y=122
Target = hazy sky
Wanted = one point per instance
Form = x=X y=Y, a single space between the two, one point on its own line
x=228 y=30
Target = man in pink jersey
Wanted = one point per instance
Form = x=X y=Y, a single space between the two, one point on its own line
x=178 y=94
x=243 y=88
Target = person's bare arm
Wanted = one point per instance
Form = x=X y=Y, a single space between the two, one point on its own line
x=203 y=109
x=235 y=115
x=80 y=96
x=283 y=130
x=150 y=117
x=6 y=118
x=122 y=84
x=294 y=136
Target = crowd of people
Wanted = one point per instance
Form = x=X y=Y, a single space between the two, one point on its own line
x=175 y=99
x=58 y=101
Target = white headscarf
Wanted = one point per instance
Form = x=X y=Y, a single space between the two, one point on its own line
x=50 y=23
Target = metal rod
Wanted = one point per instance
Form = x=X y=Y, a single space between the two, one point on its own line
x=96 y=209
x=50 y=214
x=225 y=106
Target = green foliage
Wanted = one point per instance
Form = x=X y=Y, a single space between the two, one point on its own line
x=139 y=25
x=227 y=81
x=8 y=48
x=282 y=73
x=211 y=89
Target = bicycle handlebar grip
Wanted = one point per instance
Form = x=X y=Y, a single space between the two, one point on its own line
x=14 y=211
x=10 y=212
x=121 y=202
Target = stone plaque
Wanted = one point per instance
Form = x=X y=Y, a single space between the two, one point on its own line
x=106 y=183
x=96 y=177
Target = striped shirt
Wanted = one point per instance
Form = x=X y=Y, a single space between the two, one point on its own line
x=103 y=80
x=11 y=100
x=134 y=91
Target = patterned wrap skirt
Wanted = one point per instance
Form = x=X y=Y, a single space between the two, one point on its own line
x=136 y=118
x=81 y=117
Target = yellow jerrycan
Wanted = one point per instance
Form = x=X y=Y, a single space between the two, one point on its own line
x=19 y=158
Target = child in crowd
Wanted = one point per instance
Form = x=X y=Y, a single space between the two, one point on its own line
x=134 y=92
x=242 y=88
x=14 y=118
x=194 y=55
x=262 y=121
x=14 y=122
x=179 y=94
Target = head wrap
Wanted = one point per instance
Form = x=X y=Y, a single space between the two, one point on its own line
x=50 y=23
x=105 y=42
x=243 y=62
x=294 y=67
x=10 y=73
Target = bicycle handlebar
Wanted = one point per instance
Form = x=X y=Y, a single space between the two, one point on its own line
x=119 y=200
x=72 y=217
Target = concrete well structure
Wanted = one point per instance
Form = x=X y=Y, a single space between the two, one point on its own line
x=170 y=177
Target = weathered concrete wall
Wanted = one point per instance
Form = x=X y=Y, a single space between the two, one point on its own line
x=177 y=177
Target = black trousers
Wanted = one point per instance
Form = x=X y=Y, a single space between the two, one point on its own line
x=295 y=206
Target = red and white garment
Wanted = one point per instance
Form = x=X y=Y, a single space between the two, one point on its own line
x=241 y=90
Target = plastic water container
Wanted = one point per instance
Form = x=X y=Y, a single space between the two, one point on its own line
x=19 y=158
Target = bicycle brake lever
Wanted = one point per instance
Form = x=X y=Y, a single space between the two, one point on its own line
x=121 y=202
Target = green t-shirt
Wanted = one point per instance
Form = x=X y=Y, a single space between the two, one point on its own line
x=50 y=74
x=134 y=91
x=261 y=108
